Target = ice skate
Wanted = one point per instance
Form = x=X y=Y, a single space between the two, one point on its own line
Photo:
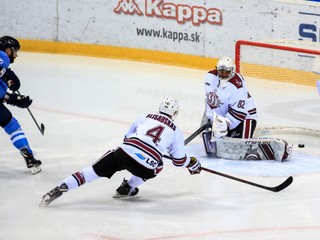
x=53 y=195
x=33 y=164
x=125 y=190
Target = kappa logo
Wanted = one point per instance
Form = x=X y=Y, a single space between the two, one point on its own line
x=128 y=7
x=180 y=12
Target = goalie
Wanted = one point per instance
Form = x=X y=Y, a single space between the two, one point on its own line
x=232 y=113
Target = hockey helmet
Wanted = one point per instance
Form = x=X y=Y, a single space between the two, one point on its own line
x=226 y=69
x=169 y=106
x=9 y=42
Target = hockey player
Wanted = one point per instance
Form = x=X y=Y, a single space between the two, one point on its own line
x=9 y=48
x=147 y=140
x=232 y=113
x=229 y=106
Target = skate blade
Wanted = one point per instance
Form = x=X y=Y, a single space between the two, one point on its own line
x=45 y=201
x=35 y=169
x=119 y=196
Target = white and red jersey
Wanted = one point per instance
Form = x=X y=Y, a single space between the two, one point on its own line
x=232 y=101
x=153 y=135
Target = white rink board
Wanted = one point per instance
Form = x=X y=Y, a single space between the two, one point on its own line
x=116 y=23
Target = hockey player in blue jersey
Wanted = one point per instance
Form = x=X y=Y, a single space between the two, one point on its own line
x=9 y=48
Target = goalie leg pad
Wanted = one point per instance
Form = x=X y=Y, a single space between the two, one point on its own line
x=210 y=147
x=282 y=150
x=254 y=149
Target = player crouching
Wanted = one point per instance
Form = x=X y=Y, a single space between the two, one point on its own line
x=232 y=112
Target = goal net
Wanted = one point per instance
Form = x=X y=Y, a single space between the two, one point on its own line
x=282 y=76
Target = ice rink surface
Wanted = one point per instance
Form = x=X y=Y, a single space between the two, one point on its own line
x=87 y=104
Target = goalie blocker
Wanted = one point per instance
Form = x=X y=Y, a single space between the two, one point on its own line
x=248 y=149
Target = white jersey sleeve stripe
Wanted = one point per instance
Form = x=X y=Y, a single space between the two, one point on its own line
x=179 y=162
x=252 y=111
x=237 y=114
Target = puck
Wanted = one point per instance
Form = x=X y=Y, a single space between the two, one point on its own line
x=301 y=145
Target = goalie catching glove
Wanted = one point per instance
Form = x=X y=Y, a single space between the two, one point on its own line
x=220 y=126
x=17 y=100
x=194 y=166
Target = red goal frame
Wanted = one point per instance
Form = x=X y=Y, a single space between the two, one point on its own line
x=240 y=43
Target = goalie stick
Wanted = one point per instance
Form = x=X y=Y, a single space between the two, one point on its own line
x=193 y=135
x=278 y=188
x=197 y=132
x=41 y=127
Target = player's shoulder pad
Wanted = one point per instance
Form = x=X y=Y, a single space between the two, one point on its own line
x=4 y=60
x=214 y=72
x=211 y=75
x=236 y=81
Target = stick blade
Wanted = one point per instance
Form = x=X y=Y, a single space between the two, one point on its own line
x=42 y=128
x=283 y=185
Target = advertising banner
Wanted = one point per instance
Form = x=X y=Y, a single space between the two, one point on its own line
x=202 y=28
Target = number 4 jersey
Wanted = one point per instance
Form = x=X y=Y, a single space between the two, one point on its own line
x=150 y=137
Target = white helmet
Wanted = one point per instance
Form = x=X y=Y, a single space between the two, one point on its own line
x=226 y=69
x=170 y=107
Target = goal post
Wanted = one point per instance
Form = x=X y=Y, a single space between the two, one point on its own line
x=282 y=76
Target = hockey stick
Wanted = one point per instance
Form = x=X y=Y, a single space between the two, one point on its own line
x=278 y=188
x=41 y=127
x=197 y=132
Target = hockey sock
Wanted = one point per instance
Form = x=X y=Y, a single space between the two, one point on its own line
x=17 y=135
x=79 y=178
x=135 y=181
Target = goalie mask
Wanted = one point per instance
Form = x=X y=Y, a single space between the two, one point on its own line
x=170 y=107
x=225 y=70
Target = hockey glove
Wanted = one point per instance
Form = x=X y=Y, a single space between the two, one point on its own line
x=12 y=80
x=194 y=166
x=17 y=100
x=220 y=126
x=2 y=72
